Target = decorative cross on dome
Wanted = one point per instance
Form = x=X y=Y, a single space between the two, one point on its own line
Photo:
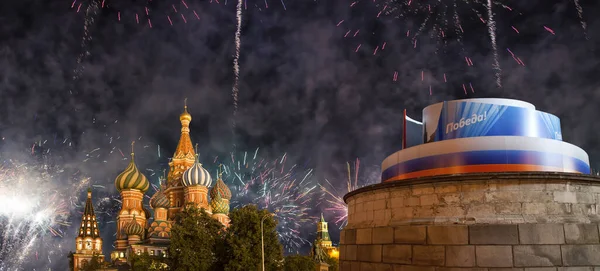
x=220 y=171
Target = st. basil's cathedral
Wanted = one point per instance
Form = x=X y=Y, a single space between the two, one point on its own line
x=187 y=184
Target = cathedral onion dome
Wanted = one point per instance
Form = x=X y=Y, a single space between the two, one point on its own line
x=132 y=178
x=133 y=228
x=185 y=115
x=159 y=200
x=221 y=190
x=196 y=175
x=159 y=229
x=219 y=205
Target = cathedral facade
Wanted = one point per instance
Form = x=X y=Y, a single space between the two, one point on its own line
x=187 y=184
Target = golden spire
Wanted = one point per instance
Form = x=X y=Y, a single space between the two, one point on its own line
x=132 y=149
x=184 y=148
x=185 y=116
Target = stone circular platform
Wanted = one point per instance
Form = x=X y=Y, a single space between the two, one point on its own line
x=474 y=222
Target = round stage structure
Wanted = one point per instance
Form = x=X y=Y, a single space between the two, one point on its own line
x=491 y=185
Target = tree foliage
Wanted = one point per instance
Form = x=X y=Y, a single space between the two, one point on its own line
x=333 y=263
x=298 y=263
x=95 y=263
x=195 y=237
x=145 y=262
x=242 y=248
x=71 y=261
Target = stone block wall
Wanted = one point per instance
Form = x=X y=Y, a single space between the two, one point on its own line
x=501 y=221
x=471 y=247
x=503 y=198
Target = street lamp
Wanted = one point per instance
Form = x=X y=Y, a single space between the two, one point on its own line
x=262 y=237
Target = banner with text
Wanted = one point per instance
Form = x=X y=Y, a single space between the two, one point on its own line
x=459 y=119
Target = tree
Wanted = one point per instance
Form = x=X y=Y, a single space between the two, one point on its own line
x=195 y=237
x=93 y=265
x=243 y=241
x=333 y=263
x=71 y=261
x=145 y=262
x=298 y=263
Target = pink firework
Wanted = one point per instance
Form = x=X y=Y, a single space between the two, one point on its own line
x=445 y=22
x=334 y=198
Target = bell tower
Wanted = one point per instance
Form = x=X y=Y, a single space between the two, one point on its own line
x=88 y=242
x=323 y=238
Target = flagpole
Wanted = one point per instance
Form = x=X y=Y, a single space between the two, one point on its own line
x=404 y=130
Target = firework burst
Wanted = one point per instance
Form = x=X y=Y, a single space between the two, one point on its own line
x=34 y=208
x=274 y=185
x=444 y=22
x=150 y=13
x=334 y=198
x=143 y=12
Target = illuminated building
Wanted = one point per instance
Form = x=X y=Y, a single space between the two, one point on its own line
x=88 y=242
x=324 y=241
x=186 y=184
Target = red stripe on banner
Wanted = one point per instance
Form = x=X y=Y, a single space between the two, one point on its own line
x=474 y=169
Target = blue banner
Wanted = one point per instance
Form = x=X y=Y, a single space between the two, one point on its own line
x=472 y=119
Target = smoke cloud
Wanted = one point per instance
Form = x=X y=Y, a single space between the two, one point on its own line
x=303 y=89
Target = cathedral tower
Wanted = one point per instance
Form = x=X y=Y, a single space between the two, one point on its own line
x=160 y=229
x=134 y=231
x=88 y=243
x=219 y=201
x=132 y=185
x=196 y=181
x=183 y=159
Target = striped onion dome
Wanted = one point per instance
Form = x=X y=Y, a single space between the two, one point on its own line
x=160 y=229
x=159 y=200
x=134 y=228
x=219 y=205
x=220 y=190
x=132 y=178
x=196 y=175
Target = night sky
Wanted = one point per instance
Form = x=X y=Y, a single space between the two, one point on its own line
x=303 y=89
